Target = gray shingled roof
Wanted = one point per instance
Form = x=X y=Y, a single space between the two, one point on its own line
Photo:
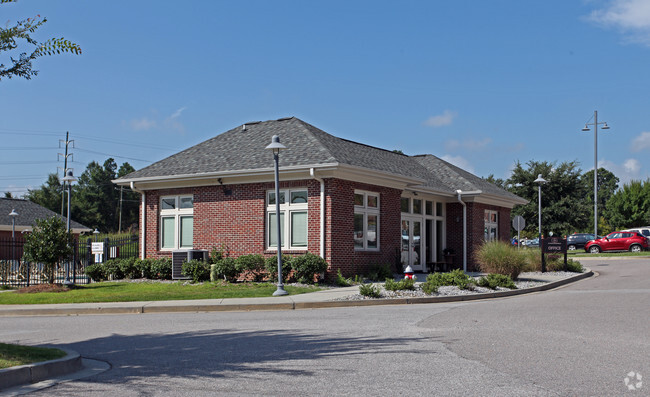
x=28 y=212
x=242 y=148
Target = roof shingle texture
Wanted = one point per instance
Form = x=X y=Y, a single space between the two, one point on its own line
x=28 y=213
x=241 y=149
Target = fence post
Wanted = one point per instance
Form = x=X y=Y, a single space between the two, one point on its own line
x=75 y=255
x=89 y=247
x=107 y=249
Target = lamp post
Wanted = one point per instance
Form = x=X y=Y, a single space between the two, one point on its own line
x=69 y=178
x=276 y=146
x=95 y=233
x=540 y=181
x=604 y=127
x=13 y=214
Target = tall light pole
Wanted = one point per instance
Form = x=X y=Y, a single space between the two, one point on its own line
x=604 y=127
x=69 y=178
x=540 y=181
x=276 y=146
x=13 y=214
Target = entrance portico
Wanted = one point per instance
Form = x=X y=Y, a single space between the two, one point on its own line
x=422 y=230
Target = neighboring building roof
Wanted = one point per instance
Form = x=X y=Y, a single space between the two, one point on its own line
x=243 y=149
x=28 y=213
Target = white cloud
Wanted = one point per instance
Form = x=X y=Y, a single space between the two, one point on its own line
x=177 y=113
x=467 y=144
x=143 y=124
x=632 y=17
x=641 y=142
x=446 y=118
x=459 y=162
x=630 y=169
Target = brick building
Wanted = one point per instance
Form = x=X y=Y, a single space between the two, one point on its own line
x=353 y=204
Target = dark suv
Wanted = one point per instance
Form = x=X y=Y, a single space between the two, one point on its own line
x=578 y=240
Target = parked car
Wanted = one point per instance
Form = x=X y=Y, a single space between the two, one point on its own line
x=645 y=230
x=578 y=240
x=533 y=243
x=618 y=241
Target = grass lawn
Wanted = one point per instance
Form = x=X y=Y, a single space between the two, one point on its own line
x=13 y=355
x=581 y=253
x=148 y=291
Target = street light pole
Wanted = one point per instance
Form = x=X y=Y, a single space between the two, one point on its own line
x=540 y=181
x=13 y=214
x=605 y=127
x=69 y=178
x=276 y=146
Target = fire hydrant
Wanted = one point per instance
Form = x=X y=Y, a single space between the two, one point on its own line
x=408 y=272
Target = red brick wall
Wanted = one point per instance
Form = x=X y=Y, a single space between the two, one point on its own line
x=475 y=229
x=238 y=221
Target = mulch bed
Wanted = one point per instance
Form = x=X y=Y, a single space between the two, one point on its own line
x=43 y=288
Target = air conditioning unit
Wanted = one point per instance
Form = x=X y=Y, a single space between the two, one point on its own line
x=180 y=257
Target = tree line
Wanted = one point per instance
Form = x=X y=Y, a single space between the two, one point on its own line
x=95 y=202
x=568 y=199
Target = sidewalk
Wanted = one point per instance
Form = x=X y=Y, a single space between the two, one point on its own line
x=313 y=300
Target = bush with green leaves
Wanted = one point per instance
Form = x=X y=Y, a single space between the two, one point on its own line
x=224 y=268
x=455 y=277
x=113 y=270
x=342 y=281
x=218 y=253
x=252 y=264
x=379 y=272
x=129 y=268
x=271 y=265
x=161 y=269
x=370 y=290
x=501 y=257
x=306 y=266
x=95 y=272
x=407 y=284
x=493 y=281
x=197 y=270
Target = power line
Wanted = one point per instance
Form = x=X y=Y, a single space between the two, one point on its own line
x=113 y=155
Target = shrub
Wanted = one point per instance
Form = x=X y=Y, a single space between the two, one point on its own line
x=253 y=263
x=307 y=265
x=112 y=269
x=574 y=266
x=95 y=272
x=370 y=290
x=225 y=268
x=161 y=269
x=342 y=281
x=144 y=267
x=129 y=268
x=455 y=277
x=500 y=257
x=271 y=265
x=493 y=281
x=197 y=270
x=379 y=272
x=404 y=284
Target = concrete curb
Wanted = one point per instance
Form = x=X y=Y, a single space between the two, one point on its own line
x=36 y=372
x=295 y=302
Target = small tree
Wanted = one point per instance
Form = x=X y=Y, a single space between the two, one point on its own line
x=47 y=244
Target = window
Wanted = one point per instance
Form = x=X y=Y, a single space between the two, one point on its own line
x=293 y=220
x=405 y=203
x=491 y=232
x=366 y=221
x=176 y=222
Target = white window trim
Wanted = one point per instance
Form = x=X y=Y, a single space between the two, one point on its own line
x=288 y=209
x=177 y=213
x=365 y=210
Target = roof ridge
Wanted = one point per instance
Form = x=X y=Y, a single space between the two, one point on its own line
x=308 y=128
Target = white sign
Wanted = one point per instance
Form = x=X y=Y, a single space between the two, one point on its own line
x=97 y=248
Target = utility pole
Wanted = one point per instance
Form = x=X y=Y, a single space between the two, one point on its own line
x=67 y=142
x=120 y=224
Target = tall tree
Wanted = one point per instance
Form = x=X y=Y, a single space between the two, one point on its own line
x=563 y=206
x=130 y=203
x=95 y=198
x=48 y=195
x=22 y=30
x=629 y=206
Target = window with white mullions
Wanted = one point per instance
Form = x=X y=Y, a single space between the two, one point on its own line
x=176 y=222
x=366 y=220
x=293 y=219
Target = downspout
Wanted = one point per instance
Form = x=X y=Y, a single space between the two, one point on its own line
x=143 y=219
x=460 y=200
x=322 y=212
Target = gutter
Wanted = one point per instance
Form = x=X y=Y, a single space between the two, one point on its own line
x=460 y=194
x=143 y=220
x=322 y=212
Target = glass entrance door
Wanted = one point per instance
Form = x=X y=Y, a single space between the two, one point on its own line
x=412 y=243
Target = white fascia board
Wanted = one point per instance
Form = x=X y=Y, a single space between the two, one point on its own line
x=374 y=177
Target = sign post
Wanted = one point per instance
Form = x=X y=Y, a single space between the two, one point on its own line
x=555 y=245
x=98 y=250
x=519 y=223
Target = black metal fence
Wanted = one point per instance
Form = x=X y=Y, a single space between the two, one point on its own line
x=15 y=271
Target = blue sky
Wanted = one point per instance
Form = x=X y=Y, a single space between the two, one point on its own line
x=482 y=84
